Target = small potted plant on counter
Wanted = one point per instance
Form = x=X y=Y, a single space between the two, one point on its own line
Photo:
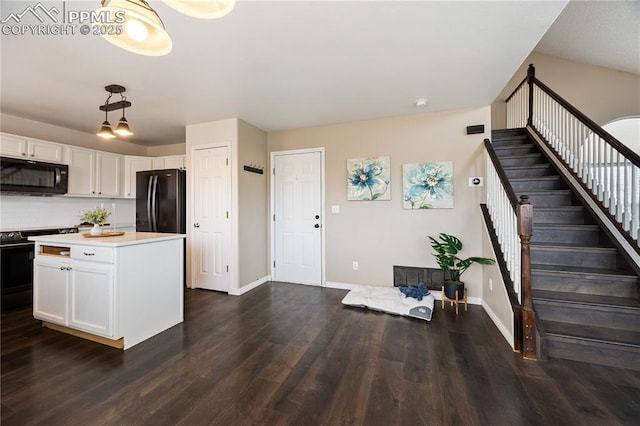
x=446 y=249
x=97 y=217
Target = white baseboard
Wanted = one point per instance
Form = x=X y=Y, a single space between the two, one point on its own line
x=245 y=288
x=507 y=334
x=340 y=286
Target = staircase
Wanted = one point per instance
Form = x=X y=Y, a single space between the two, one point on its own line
x=584 y=292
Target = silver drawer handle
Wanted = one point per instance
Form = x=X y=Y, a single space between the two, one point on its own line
x=89 y=254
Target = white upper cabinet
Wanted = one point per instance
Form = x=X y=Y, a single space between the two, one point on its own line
x=168 y=162
x=33 y=149
x=133 y=165
x=94 y=173
x=108 y=174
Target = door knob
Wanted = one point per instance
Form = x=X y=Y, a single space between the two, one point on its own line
x=196 y=225
x=316 y=226
x=317 y=216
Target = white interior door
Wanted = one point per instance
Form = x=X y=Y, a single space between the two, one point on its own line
x=212 y=226
x=298 y=218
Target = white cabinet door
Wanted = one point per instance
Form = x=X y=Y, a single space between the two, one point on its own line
x=91 y=298
x=174 y=162
x=22 y=147
x=50 y=290
x=44 y=151
x=158 y=163
x=13 y=146
x=168 y=162
x=82 y=171
x=133 y=165
x=108 y=174
x=94 y=173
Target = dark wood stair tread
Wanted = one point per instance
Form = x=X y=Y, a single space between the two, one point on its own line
x=541 y=166
x=627 y=338
x=507 y=157
x=587 y=299
x=582 y=270
x=567 y=246
x=572 y=226
x=535 y=179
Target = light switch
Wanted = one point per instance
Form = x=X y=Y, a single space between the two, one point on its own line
x=335 y=209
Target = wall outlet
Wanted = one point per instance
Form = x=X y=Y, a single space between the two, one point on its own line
x=490 y=284
x=355 y=266
x=335 y=209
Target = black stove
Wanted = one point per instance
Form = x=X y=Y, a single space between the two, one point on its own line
x=17 y=265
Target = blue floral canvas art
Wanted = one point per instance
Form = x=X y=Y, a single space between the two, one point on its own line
x=368 y=179
x=428 y=185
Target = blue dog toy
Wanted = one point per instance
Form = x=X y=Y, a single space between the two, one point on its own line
x=415 y=292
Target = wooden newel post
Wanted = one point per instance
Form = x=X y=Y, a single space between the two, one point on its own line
x=531 y=75
x=525 y=230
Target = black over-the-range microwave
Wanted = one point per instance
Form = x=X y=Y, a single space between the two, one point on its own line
x=20 y=176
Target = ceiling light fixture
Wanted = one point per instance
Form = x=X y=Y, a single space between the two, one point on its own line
x=144 y=32
x=123 y=126
x=203 y=9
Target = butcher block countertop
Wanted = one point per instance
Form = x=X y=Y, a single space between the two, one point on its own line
x=127 y=239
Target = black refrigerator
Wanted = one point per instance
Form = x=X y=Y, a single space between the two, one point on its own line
x=161 y=201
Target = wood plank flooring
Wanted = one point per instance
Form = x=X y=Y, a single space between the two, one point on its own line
x=286 y=354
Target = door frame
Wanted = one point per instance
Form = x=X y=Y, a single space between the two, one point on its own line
x=233 y=202
x=272 y=207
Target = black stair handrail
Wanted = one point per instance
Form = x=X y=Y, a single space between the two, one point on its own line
x=511 y=194
x=592 y=125
x=609 y=143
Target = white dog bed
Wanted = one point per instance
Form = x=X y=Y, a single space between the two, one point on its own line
x=390 y=300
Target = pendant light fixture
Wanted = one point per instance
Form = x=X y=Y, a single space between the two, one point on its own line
x=123 y=126
x=203 y=9
x=105 y=129
x=143 y=33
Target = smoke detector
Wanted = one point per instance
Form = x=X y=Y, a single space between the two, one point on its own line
x=421 y=103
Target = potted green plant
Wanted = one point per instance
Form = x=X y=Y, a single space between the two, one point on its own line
x=446 y=249
x=97 y=217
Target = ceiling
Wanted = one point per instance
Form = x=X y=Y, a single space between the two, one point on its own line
x=289 y=64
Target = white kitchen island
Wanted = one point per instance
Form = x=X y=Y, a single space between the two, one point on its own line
x=117 y=290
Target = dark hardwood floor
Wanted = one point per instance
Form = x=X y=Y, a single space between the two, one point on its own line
x=294 y=355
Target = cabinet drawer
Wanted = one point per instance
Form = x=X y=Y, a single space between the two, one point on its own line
x=92 y=253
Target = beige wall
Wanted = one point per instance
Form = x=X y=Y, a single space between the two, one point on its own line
x=495 y=299
x=380 y=234
x=252 y=205
x=602 y=94
x=38 y=130
x=161 y=150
